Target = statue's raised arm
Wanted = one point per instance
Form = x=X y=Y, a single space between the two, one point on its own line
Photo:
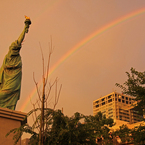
x=11 y=72
x=26 y=29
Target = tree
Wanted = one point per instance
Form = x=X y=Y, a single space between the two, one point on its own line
x=40 y=121
x=135 y=135
x=135 y=86
x=63 y=130
x=98 y=127
x=53 y=127
x=44 y=95
x=124 y=133
x=138 y=135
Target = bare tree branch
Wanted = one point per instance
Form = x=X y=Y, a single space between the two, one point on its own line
x=36 y=87
x=43 y=76
x=48 y=62
x=35 y=114
x=57 y=96
x=50 y=87
x=38 y=102
x=43 y=97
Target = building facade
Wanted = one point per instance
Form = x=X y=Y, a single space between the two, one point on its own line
x=118 y=107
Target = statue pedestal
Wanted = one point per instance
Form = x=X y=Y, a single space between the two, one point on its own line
x=10 y=119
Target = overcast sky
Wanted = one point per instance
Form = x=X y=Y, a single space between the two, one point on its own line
x=92 y=70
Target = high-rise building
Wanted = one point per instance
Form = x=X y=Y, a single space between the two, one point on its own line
x=118 y=107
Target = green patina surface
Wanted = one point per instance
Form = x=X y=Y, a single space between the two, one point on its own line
x=10 y=77
x=11 y=74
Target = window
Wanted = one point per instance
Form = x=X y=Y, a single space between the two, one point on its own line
x=103 y=111
x=127 y=117
x=120 y=117
x=111 y=116
x=126 y=120
x=122 y=97
x=103 y=99
x=109 y=97
x=124 y=113
x=110 y=113
x=110 y=109
x=129 y=102
x=119 y=100
x=97 y=106
x=123 y=110
x=97 y=102
x=115 y=95
x=103 y=103
x=129 y=99
x=123 y=101
x=126 y=98
x=115 y=99
x=126 y=102
x=109 y=100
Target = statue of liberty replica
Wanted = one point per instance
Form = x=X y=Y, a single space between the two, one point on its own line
x=11 y=72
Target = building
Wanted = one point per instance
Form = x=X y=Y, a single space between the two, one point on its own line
x=10 y=119
x=118 y=107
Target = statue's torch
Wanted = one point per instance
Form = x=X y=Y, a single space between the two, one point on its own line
x=27 y=23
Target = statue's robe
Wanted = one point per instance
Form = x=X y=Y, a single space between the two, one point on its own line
x=10 y=77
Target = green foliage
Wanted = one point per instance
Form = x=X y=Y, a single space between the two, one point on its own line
x=135 y=86
x=98 y=126
x=135 y=135
x=77 y=130
x=63 y=130
x=124 y=133
x=138 y=135
x=18 y=132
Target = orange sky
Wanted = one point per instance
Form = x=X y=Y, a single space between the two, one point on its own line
x=93 y=70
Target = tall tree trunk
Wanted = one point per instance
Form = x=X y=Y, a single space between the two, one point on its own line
x=41 y=133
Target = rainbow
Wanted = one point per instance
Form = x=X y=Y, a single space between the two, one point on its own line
x=82 y=43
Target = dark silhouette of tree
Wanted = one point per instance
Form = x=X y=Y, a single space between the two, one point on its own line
x=135 y=86
x=63 y=130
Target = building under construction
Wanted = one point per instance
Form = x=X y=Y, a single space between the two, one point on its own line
x=118 y=107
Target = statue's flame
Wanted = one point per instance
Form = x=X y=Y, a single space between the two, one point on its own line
x=27 y=18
